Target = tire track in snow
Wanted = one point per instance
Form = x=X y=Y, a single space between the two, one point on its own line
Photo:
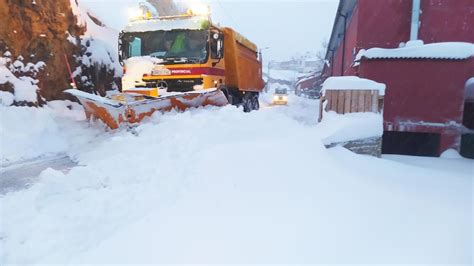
x=23 y=174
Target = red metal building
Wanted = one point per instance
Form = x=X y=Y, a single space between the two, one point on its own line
x=308 y=83
x=429 y=101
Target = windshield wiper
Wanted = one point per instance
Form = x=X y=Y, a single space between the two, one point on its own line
x=181 y=59
x=174 y=59
x=193 y=60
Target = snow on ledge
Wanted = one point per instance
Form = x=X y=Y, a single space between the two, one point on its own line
x=348 y=127
x=352 y=83
x=418 y=50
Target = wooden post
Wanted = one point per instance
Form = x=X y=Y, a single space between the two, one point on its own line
x=340 y=102
x=347 y=101
x=361 y=101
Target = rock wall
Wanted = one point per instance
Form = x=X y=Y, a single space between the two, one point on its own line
x=35 y=31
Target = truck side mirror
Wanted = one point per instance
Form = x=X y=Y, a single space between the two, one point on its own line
x=220 y=46
x=217 y=46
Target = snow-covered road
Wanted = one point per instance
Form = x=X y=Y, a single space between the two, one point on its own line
x=217 y=185
x=23 y=174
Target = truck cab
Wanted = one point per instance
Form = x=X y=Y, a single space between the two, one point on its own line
x=176 y=54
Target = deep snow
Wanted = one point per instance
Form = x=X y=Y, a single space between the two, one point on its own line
x=216 y=185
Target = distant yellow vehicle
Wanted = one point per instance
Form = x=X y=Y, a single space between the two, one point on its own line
x=280 y=97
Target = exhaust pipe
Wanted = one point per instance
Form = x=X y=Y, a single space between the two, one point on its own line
x=415 y=20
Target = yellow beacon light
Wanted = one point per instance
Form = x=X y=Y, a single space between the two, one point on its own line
x=139 y=13
x=199 y=10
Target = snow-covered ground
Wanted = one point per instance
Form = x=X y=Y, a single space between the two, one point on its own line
x=216 y=185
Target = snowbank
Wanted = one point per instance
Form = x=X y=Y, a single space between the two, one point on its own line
x=27 y=133
x=442 y=50
x=352 y=83
x=353 y=126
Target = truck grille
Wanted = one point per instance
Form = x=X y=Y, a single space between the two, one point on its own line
x=175 y=85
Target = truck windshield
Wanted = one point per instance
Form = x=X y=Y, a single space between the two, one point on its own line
x=176 y=46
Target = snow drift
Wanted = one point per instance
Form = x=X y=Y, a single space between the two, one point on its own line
x=216 y=185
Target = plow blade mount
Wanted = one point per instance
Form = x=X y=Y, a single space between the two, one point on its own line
x=132 y=108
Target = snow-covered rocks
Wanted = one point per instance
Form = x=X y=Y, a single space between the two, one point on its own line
x=20 y=79
x=99 y=43
x=6 y=98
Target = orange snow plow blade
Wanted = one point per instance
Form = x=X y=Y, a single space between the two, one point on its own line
x=132 y=108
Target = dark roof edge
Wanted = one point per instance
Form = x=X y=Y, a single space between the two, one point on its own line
x=345 y=7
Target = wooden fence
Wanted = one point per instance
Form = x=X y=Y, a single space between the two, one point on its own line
x=351 y=101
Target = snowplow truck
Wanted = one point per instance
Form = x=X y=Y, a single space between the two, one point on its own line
x=178 y=62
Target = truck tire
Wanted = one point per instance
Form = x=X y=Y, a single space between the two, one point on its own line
x=247 y=102
x=250 y=102
x=256 y=103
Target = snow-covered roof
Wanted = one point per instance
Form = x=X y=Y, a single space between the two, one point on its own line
x=306 y=78
x=184 y=22
x=352 y=83
x=418 y=50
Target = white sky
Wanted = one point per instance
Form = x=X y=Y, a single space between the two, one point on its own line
x=287 y=27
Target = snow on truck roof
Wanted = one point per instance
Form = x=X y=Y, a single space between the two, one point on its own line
x=352 y=83
x=181 y=22
x=419 y=50
x=168 y=23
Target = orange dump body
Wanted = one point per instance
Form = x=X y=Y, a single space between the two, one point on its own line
x=243 y=70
